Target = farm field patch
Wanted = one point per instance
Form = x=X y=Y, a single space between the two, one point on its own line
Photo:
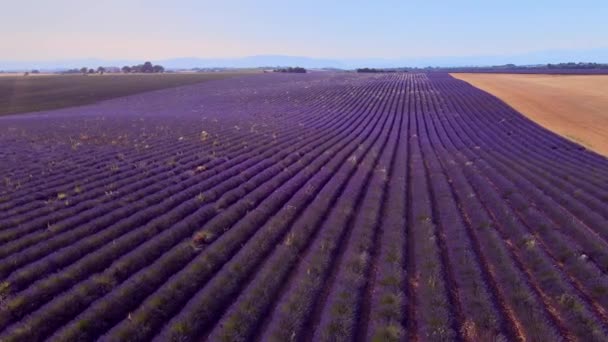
x=574 y=106
x=20 y=94
x=313 y=207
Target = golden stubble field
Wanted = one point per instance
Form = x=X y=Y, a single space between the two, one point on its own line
x=574 y=106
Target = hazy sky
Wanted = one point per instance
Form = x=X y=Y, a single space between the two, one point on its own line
x=155 y=29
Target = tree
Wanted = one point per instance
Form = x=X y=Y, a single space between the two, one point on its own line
x=370 y=70
x=72 y=71
x=298 y=70
x=374 y=70
x=91 y=71
x=84 y=70
x=147 y=67
x=35 y=71
x=101 y=70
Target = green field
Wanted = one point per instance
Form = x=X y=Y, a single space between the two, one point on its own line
x=22 y=94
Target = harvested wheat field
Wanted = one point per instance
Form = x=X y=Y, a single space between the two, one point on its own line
x=574 y=106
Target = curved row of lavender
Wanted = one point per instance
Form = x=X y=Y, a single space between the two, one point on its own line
x=300 y=207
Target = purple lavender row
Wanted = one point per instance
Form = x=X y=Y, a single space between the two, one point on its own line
x=592 y=218
x=165 y=147
x=525 y=150
x=190 y=182
x=50 y=186
x=217 y=226
x=554 y=289
x=36 y=194
x=520 y=130
x=111 y=181
x=431 y=307
x=589 y=286
x=55 y=228
x=590 y=212
x=576 y=207
x=563 y=178
x=565 y=218
x=149 y=317
x=284 y=152
x=500 y=222
x=550 y=284
x=538 y=146
x=496 y=112
x=561 y=148
x=578 y=167
x=54 y=315
x=211 y=293
x=526 y=313
x=481 y=317
x=593 y=244
x=342 y=306
x=59 y=163
x=171 y=138
x=68 y=218
x=43 y=290
x=150 y=198
x=386 y=315
x=581 y=321
x=114 y=171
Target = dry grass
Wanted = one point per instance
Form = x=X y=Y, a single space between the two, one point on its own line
x=574 y=106
x=21 y=94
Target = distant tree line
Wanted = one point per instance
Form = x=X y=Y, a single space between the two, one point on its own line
x=88 y=71
x=146 y=68
x=76 y=71
x=590 y=67
x=374 y=70
x=568 y=65
x=572 y=65
x=527 y=68
x=298 y=70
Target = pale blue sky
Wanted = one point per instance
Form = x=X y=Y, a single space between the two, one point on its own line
x=137 y=29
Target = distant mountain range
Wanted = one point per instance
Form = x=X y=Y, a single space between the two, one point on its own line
x=539 y=57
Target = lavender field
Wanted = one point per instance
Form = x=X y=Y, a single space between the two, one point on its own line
x=313 y=207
